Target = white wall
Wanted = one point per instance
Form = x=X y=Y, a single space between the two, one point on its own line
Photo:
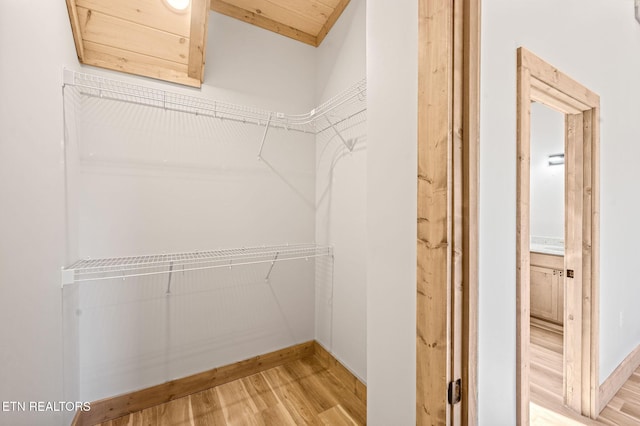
x=341 y=217
x=35 y=43
x=547 y=182
x=392 y=32
x=153 y=181
x=32 y=247
x=194 y=183
x=594 y=42
x=133 y=335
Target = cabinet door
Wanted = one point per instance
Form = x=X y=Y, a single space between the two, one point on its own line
x=544 y=293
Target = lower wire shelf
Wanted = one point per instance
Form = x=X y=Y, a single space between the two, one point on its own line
x=137 y=266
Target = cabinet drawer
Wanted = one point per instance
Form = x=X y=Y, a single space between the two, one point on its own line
x=547 y=260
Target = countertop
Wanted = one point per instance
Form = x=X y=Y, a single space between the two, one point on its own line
x=547 y=245
x=554 y=250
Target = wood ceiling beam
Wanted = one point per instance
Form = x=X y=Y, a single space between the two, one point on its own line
x=75 y=28
x=198 y=38
x=331 y=20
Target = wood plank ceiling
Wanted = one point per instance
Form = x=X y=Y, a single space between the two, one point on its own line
x=150 y=38
x=308 y=21
x=142 y=37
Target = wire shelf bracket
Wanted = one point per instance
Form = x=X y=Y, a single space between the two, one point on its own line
x=264 y=137
x=273 y=262
x=349 y=144
x=137 y=266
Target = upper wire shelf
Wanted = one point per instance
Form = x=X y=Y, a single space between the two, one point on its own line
x=315 y=121
x=137 y=266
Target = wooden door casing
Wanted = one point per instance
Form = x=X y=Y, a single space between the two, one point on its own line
x=538 y=81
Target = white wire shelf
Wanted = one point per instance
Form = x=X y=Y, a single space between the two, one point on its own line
x=343 y=106
x=137 y=266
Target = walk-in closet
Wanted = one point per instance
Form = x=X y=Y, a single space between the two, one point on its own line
x=215 y=236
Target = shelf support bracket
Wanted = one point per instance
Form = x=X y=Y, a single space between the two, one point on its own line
x=170 y=276
x=273 y=262
x=264 y=136
x=68 y=276
x=349 y=144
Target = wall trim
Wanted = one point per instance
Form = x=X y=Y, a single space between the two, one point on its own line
x=111 y=408
x=618 y=377
x=342 y=373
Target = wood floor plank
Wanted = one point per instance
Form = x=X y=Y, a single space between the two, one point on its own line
x=206 y=408
x=237 y=405
x=549 y=381
x=616 y=418
x=292 y=396
x=260 y=392
x=544 y=396
x=632 y=386
x=541 y=416
x=547 y=339
x=277 y=415
x=337 y=416
x=631 y=409
x=628 y=395
x=616 y=403
x=547 y=355
x=348 y=400
x=315 y=389
x=176 y=412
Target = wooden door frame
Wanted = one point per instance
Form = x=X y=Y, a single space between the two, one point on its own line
x=447 y=243
x=540 y=82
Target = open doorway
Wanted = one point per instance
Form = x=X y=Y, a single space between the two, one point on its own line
x=558 y=290
x=547 y=283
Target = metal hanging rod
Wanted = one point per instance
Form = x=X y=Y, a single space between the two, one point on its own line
x=92 y=85
x=138 y=266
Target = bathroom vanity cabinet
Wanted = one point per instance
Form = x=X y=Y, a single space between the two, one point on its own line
x=547 y=287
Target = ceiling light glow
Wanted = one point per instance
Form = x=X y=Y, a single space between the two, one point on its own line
x=179 y=5
x=556 y=159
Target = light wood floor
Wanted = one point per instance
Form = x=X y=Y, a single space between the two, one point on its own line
x=546 y=389
x=301 y=392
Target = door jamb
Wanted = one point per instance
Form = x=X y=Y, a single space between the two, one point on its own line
x=447 y=246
